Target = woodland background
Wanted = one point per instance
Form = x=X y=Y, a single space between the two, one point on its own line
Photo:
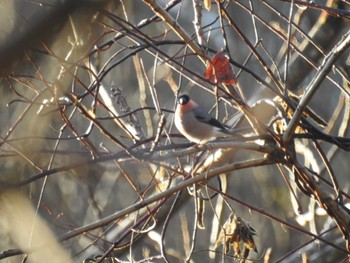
x=93 y=169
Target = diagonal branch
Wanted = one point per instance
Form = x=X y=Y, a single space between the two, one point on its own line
x=326 y=66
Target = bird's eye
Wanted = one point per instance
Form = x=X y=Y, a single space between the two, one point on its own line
x=183 y=99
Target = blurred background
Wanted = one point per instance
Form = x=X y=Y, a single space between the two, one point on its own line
x=88 y=90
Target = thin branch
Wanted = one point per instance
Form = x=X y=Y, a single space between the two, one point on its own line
x=165 y=194
x=326 y=66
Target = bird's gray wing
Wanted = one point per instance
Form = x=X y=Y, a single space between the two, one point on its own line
x=203 y=116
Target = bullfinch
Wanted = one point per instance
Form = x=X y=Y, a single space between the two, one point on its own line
x=195 y=123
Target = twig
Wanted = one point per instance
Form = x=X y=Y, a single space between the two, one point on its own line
x=326 y=66
x=177 y=28
x=197 y=7
x=287 y=48
x=204 y=176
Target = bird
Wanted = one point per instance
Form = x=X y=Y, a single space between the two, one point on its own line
x=195 y=123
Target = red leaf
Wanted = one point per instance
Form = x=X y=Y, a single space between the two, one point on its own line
x=219 y=70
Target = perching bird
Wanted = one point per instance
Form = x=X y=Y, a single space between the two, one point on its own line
x=195 y=123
